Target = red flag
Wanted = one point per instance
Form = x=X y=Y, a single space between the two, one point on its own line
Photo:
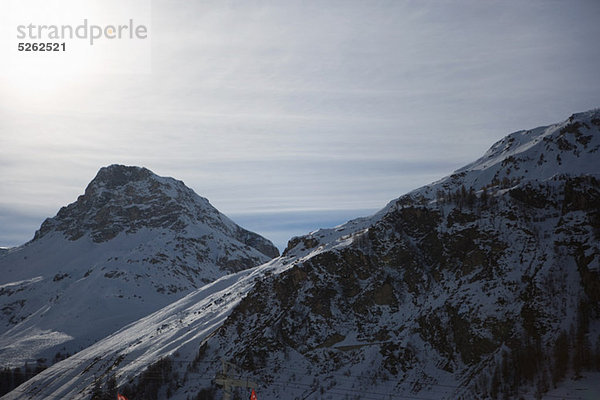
x=121 y=397
x=253 y=395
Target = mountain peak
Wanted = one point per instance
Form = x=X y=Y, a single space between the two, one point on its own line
x=117 y=175
x=127 y=199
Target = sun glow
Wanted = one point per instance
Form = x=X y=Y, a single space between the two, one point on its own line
x=50 y=46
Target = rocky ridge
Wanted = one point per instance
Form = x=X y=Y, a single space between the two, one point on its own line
x=465 y=287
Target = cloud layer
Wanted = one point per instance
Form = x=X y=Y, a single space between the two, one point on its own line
x=299 y=107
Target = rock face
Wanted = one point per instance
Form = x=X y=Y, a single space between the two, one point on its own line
x=485 y=284
x=131 y=244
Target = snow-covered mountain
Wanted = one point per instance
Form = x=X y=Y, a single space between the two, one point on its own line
x=131 y=244
x=485 y=284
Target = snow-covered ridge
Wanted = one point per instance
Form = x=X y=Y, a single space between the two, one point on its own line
x=433 y=294
x=571 y=147
x=573 y=131
x=568 y=148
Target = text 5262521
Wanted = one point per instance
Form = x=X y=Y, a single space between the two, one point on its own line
x=42 y=46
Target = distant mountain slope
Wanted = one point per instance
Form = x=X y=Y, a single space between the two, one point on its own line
x=485 y=284
x=133 y=243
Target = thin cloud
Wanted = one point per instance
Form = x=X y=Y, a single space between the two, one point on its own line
x=304 y=106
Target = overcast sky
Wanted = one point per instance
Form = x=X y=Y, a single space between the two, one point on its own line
x=293 y=115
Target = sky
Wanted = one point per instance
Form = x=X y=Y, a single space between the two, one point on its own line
x=287 y=115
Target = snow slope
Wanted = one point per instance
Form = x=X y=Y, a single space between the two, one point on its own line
x=176 y=328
